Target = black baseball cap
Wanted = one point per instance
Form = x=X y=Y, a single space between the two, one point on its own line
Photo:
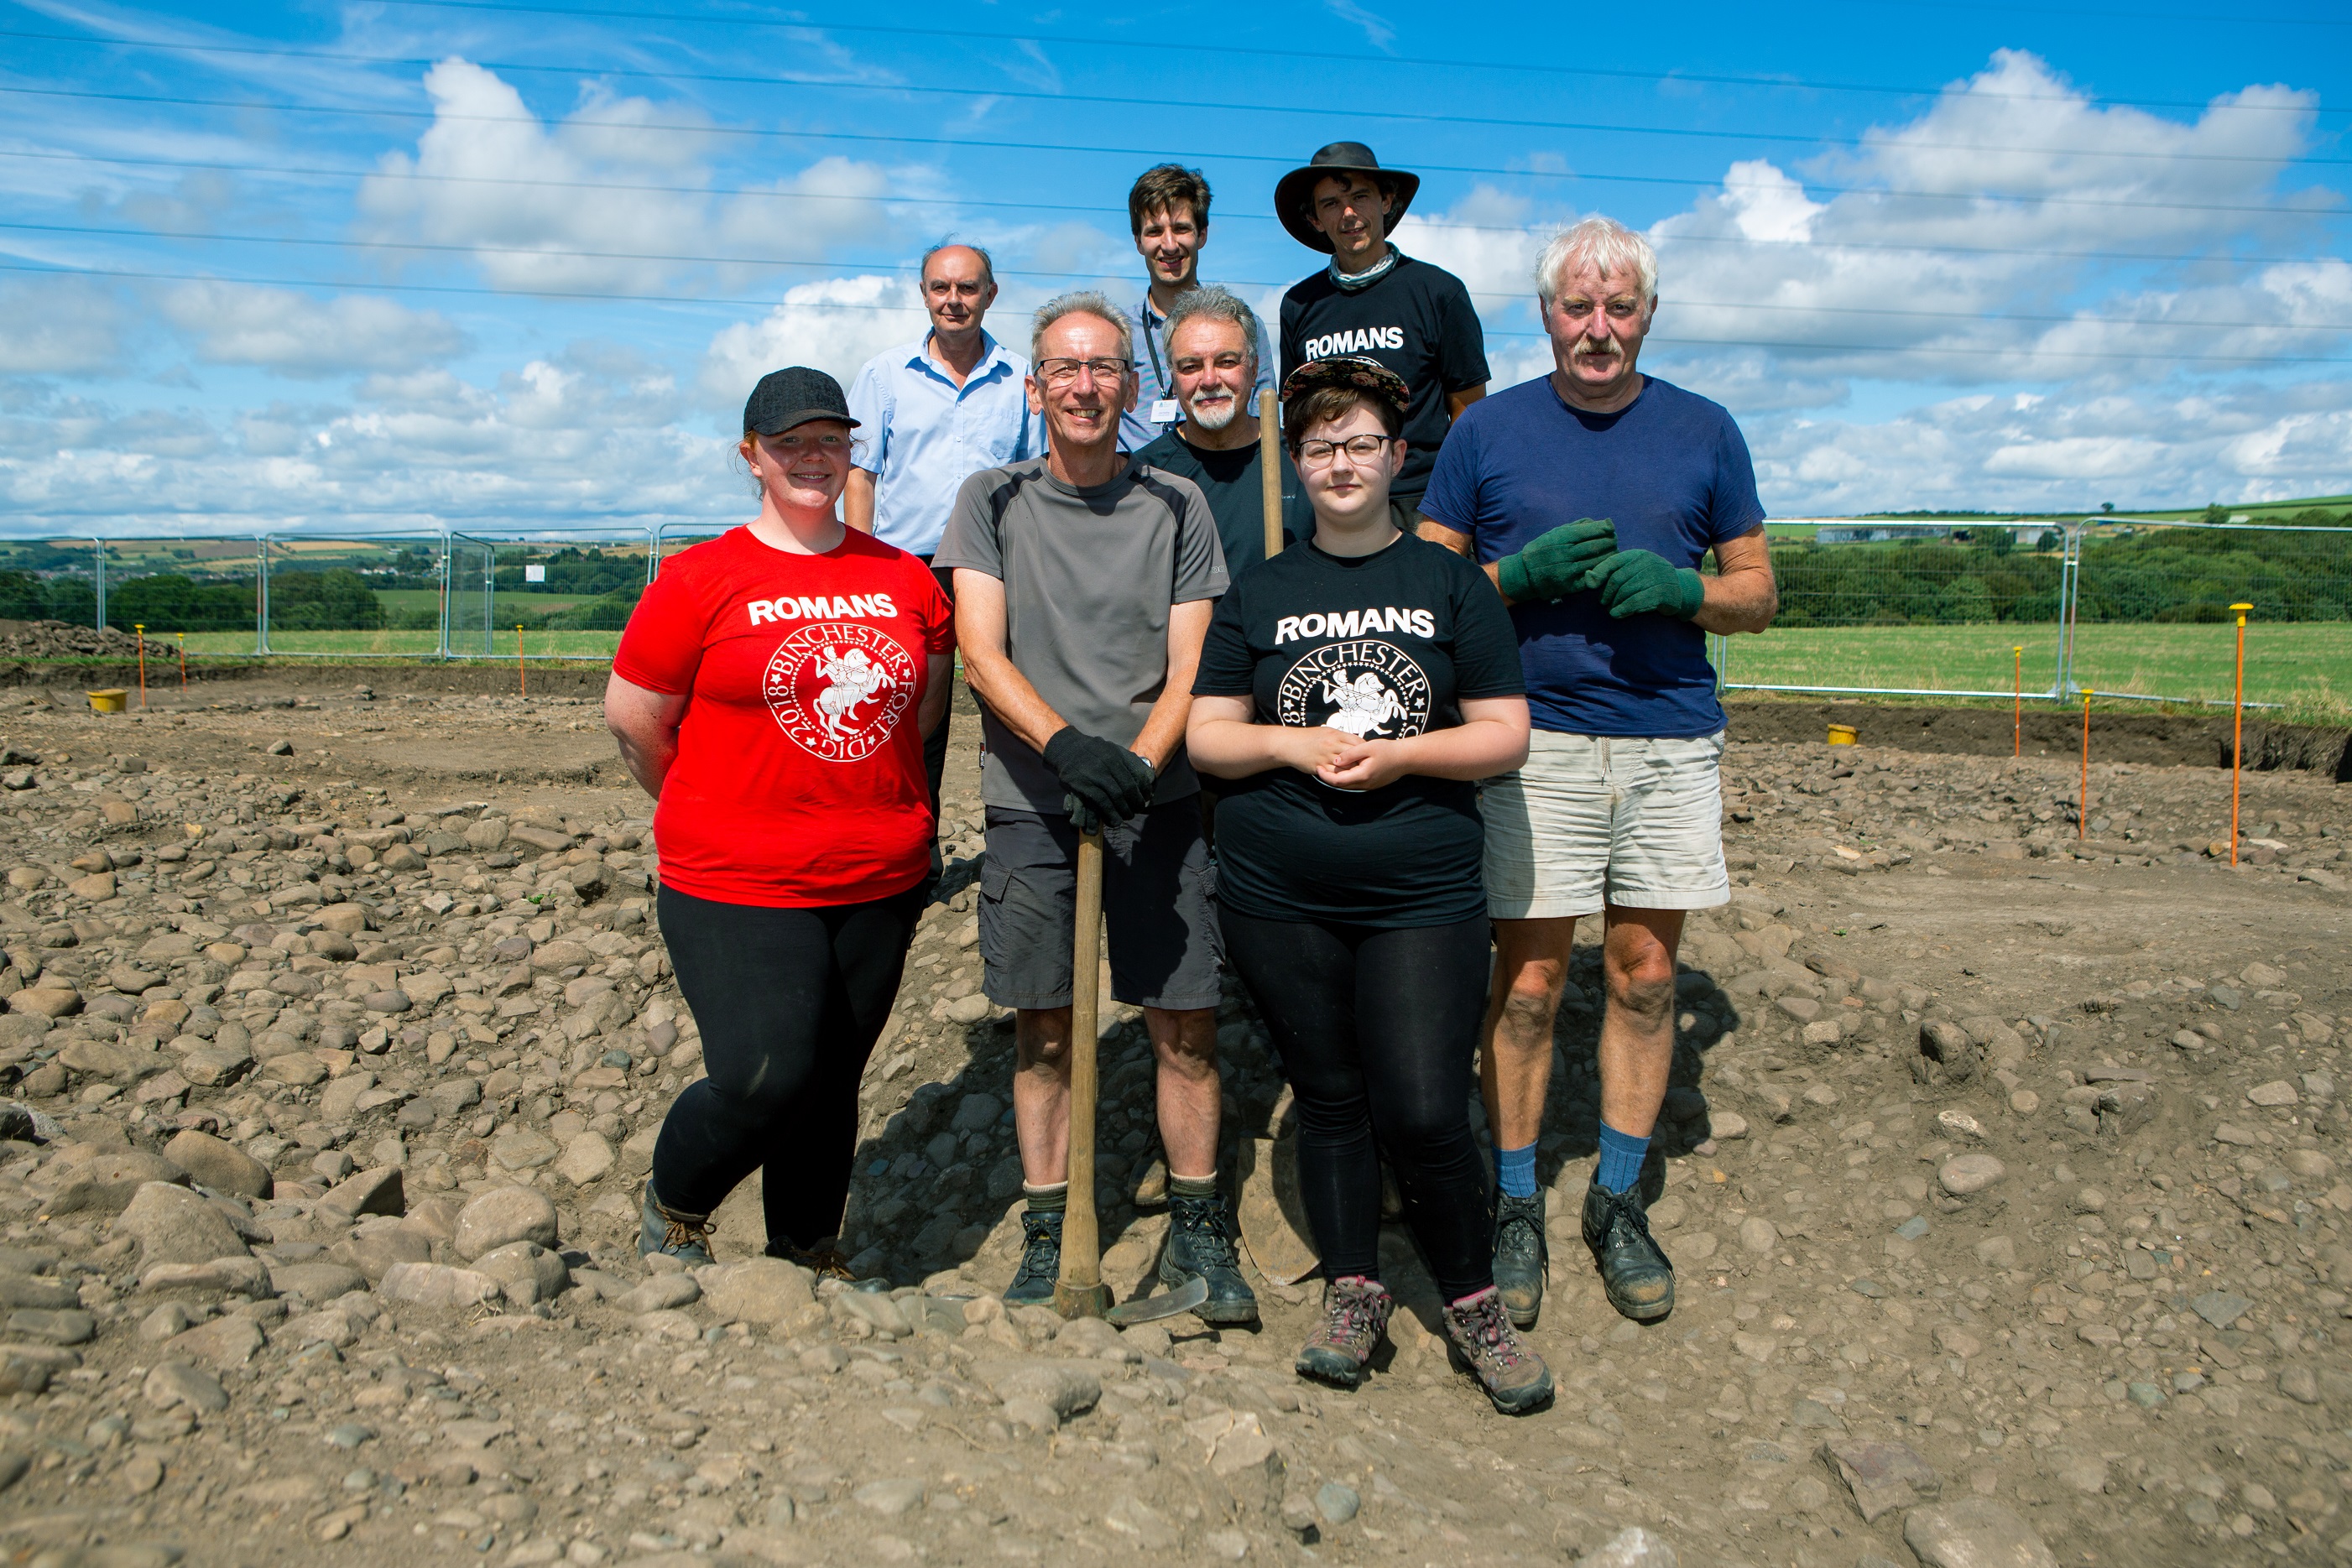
x=794 y=396
x=1291 y=190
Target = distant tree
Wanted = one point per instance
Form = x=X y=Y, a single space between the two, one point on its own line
x=169 y=602
x=338 y=600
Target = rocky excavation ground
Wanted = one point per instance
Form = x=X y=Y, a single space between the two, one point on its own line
x=2001 y=1172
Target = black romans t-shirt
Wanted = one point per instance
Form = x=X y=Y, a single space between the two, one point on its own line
x=1382 y=647
x=1418 y=321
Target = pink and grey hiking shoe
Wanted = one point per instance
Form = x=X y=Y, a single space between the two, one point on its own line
x=1355 y=1315
x=1481 y=1342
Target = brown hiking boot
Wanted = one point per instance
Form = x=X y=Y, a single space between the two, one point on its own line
x=1355 y=1314
x=1482 y=1341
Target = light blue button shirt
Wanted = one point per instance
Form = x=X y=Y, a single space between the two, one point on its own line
x=921 y=436
x=1137 y=428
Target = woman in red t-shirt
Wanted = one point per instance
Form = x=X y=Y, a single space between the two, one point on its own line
x=772 y=692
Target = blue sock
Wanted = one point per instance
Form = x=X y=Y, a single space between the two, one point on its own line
x=1515 y=1171
x=1620 y=1160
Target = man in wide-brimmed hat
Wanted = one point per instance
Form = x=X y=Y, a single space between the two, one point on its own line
x=1373 y=299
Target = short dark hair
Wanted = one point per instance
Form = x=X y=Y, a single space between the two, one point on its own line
x=1163 y=188
x=1321 y=405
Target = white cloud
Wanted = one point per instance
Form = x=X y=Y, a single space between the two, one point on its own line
x=295 y=335
x=59 y=327
x=524 y=196
x=835 y=326
x=1950 y=253
x=1376 y=28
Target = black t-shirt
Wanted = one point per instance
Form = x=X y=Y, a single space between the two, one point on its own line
x=1418 y=322
x=1384 y=646
x=1236 y=496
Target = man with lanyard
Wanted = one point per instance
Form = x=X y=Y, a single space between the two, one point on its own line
x=1168 y=209
x=1085 y=582
x=929 y=414
x=1590 y=495
x=1212 y=358
x=1374 y=300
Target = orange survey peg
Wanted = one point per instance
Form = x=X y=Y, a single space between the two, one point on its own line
x=2237 y=726
x=2082 y=811
x=2017 y=703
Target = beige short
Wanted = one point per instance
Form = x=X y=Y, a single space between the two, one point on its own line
x=1593 y=821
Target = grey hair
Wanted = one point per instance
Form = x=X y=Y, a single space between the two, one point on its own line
x=1081 y=302
x=987 y=262
x=1218 y=304
x=1606 y=244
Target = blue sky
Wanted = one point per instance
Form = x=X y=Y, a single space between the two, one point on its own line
x=397 y=264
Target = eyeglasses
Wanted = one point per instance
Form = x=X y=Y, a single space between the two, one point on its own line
x=1062 y=372
x=1362 y=448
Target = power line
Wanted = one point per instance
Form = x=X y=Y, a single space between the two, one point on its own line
x=839 y=85
x=541 y=252
x=764 y=133
x=1665 y=241
x=1972 y=351
x=1322 y=57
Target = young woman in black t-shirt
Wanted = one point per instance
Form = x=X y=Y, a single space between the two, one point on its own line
x=1351 y=691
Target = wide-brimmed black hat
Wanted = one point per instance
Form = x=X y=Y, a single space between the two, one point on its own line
x=794 y=396
x=1291 y=192
x=1357 y=372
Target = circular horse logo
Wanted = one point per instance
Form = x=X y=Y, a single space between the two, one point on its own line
x=839 y=688
x=1373 y=690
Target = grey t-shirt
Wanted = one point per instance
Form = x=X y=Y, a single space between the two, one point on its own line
x=1089 y=575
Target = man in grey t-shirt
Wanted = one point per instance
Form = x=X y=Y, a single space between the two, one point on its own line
x=1085 y=581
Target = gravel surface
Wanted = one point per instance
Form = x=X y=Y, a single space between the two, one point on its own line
x=2003 y=1177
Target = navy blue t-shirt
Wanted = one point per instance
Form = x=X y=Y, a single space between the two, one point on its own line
x=1672 y=469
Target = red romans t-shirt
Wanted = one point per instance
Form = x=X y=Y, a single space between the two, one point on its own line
x=799 y=779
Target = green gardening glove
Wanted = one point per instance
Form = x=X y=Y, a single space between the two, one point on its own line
x=1635 y=582
x=1554 y=563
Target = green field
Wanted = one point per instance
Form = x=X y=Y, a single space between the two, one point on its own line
x=2305 y=665
x=408 y=644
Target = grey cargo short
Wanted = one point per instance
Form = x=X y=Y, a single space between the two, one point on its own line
x=1158 y=903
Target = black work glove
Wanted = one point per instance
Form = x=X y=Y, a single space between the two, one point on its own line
x=1554 y=563
x=1106 y=782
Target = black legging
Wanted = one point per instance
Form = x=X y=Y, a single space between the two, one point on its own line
x=789 y=1002
x=1378 y=1029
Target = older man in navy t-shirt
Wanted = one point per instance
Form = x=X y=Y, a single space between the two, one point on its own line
x=1591 y=497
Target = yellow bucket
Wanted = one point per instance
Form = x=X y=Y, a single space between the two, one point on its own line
x=113 y=699
x=1843 y=735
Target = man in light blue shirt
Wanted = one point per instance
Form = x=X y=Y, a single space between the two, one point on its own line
x=1168 y=208
x=931 y=414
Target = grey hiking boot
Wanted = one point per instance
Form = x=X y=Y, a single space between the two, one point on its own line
x=1633 y=1269
x=1521 y=1255
x=660 y=1229
x=1201 y=1243
x=1041 y=1260
x=1480 y=1341
x=1355 y=1315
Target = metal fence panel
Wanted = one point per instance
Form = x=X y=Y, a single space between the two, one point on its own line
x=328 y=596
x=1927 y=609
x=50 y=579
x=559 y=593
x=2152 y=619
x=201 y=593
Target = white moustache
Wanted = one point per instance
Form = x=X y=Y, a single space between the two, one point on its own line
x=1214 y=411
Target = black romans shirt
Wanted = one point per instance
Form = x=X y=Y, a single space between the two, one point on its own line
x=1382 y=647
x=1418 y=321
